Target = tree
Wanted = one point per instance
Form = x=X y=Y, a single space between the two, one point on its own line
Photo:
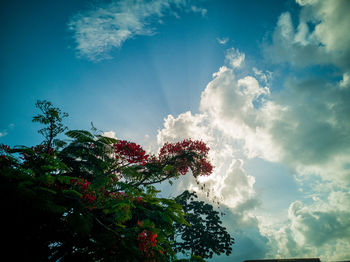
x=205 y=235
x=93 y=198
x=52 y=117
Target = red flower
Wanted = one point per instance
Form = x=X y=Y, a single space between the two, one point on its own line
x=139 y=199
x=130 y=152
x=140 y=224
x=187 y=155
x=90 y=197
x=146 y=240
x=5 y=148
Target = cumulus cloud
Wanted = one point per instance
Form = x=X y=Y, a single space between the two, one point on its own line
x=104 y=27
x=186 y=125
x=312 y=130
x=238 y=108
x=230 y=184
x=320 y=229
x=110 y=134
x=242 y=196
x=304 y=126
x=321 y=36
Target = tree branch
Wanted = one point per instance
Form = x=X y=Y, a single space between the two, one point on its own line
x=106 y=227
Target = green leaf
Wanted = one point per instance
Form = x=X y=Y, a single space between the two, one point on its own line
x=47 y=190
x=81 y=135
x=80 y=223
x=106 y=140
x=72 y=193
x=168 y=168
x=64 y=179
x=130 y=172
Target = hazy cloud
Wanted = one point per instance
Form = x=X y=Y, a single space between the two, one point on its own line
x=264 y=77
x=3 y=133
x=222 y=41
x=107 y=26
x=234 y=58
x=200 y=10
x=314 y=128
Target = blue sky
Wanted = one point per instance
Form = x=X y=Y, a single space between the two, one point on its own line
x=264 y=83
x=159 y=71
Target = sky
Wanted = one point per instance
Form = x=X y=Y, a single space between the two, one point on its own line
x=266 y=84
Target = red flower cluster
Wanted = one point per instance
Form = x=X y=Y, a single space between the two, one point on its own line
x=84 y=185
x=140 y=223
x=130 y=152
x=5 y=148
x=113 y=195
x=205 y=167
x=146 y=240
x=198 y=149
x=173 y=149
x=139 y=199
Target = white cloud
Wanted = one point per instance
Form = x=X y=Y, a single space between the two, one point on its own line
x=264 y=77
x=238 y=108
x=222 y=41
x=305 y=127
x=321 y=36
x=242 y=196
x=110 y=134
x=3 y=133
x=312 y=131
x=184 y=126
x=320 y=229
x=234 y=58
x=200 y=10
x=107 y=26
x=230 y=184
x=345 y=82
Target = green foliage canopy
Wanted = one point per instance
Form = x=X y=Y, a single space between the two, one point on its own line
x=94 y=199
x=205 y=236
